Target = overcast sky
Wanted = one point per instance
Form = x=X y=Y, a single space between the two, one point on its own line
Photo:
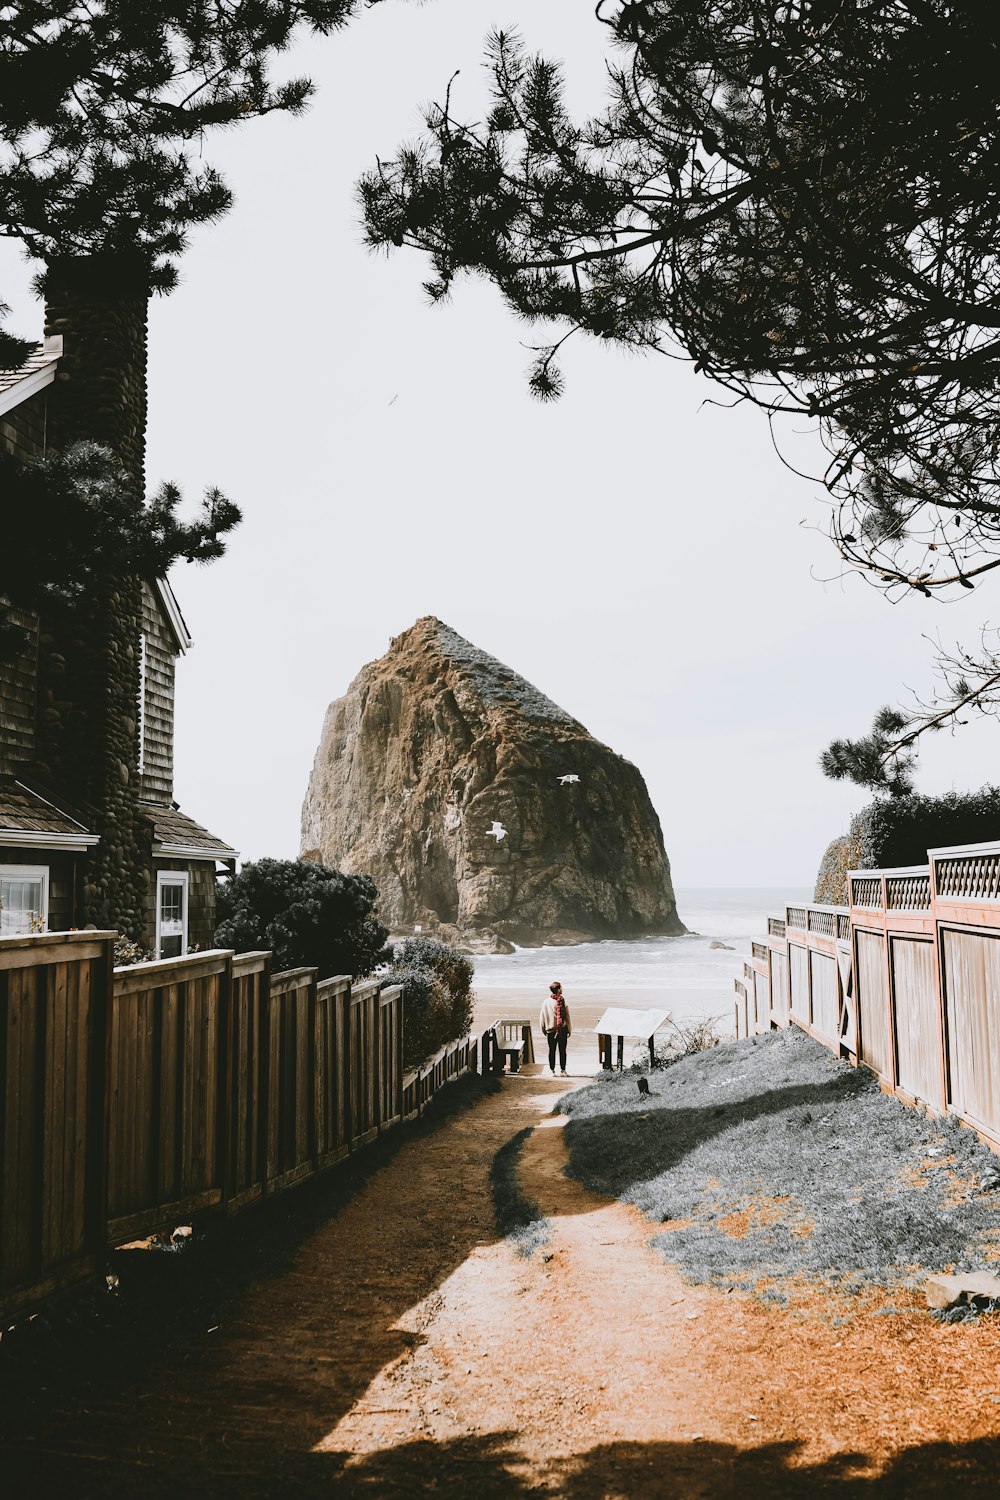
x=642 y=557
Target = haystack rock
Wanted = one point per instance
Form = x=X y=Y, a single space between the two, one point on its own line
x=437 y=749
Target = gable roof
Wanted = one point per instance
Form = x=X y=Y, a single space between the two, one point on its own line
x=27 y=819
x=177 y=836
x=38 y=371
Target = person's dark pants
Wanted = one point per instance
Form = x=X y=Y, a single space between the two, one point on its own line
x=558 y=1039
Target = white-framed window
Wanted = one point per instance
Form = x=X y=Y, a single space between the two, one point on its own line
x=171 y=913
x=24 y=899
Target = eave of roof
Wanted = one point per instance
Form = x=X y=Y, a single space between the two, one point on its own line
x=38 y=371
x=172 y=610
x=22 y=809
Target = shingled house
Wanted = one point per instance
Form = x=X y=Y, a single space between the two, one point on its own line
x=89 y=831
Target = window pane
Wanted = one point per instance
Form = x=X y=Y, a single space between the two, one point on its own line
x=172 y=934
x=171 y=907
x=20 y=906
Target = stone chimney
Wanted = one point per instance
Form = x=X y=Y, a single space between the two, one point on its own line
x=89 y=661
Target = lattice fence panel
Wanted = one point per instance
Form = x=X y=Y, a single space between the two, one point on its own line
x=976 y=876
x=908 y=892
x=866 y=892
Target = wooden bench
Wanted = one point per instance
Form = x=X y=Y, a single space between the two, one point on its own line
x=512 y=1042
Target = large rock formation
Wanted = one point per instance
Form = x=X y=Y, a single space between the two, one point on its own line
x=436 y=748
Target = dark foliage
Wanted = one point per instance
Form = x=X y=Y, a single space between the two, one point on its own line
x=900 y=830
x=105 y=105
x=876 y=761
x=71 y=520
x=305 y=914
x=437 y=994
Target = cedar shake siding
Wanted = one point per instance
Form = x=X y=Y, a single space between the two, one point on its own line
x=18 y=699
x=23 y=430
x=201 y=902
x=156 y=779
x=63 y=870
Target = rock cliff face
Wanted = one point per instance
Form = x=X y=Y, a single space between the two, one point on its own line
x=437 y=749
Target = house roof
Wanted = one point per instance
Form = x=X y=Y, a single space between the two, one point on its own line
x=172 y=612
x=177 y=835
x=29 y=820
x=38 y=371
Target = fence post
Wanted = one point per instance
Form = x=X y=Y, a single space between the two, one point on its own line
x=99 y=1103
x=224 y=1083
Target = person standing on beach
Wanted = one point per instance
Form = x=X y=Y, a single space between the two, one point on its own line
x=556 y=1026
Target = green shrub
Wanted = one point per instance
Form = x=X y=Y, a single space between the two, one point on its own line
x=899 y=831
x=306 y=914
x=437 y=995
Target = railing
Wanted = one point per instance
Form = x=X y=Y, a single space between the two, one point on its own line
x=822 y=921
x=758 y=949
x=866 y=890
x=775 y=927
x=137 y=1097
x=909 y=891
x=906 y=981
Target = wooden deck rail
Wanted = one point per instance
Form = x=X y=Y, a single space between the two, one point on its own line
x=134 y=1098
x=906 y=980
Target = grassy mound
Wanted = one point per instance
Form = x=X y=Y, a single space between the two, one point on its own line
x=774 y=1166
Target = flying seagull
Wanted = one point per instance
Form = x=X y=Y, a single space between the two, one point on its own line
x=567 y=780
x=643 y=1086
x=498 y=832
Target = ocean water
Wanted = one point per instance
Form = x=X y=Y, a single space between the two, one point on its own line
x=684 y=974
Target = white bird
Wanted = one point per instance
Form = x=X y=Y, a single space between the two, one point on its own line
x=567 y=780
x=498 y=832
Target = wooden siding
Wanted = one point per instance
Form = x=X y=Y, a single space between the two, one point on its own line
x=62 y=881
x=972 y=990
x=157 y=779
x=873 y=1004
x=201 y=902
x=23 y=428
x=915 y=1008
x=18 y=694
x=825 y=995
x=798 y=974
x=762 y=1007
x=779 y=987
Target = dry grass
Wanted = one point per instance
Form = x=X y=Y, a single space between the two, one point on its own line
x=775 y=1168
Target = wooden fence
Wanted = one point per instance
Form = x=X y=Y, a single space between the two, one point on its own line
x=905 y=980
x=134 y=1098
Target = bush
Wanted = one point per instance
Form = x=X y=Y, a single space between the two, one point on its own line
x=306 y=914
x=437 y=995
x=900 y=830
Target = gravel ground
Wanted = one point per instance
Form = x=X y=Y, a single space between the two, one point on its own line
x=774 y=1167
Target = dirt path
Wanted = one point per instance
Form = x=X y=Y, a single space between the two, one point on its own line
x=406 y=1350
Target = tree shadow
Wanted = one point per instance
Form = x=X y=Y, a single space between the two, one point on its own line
x=612 y=1152
x=489 y=1466
x=92 y=1349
